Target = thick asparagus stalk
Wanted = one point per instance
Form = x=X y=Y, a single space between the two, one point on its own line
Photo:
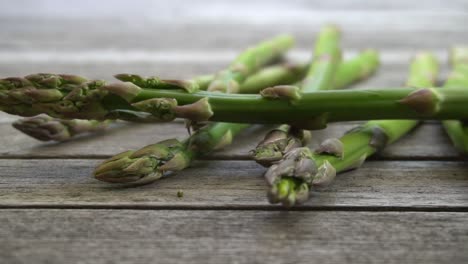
x=281 y=104
x=248 y=62
x=46 y=128
x=284 y=138
x=301 y=169
x=456 y=129
x=320 y=75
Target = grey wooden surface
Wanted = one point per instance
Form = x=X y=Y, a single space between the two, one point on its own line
x=408 y=204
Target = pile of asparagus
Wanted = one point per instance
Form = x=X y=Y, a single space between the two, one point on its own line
x=258 y=87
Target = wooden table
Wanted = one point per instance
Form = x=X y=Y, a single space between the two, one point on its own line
x=407 y=205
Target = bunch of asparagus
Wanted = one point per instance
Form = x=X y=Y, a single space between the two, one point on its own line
x=254 y=89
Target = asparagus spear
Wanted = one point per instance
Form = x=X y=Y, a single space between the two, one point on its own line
x=456 y=129
x=327 y=56
x=280 y=104
x=151 y=162
x=248 y=62
x=46 y=128
x=284 y=138
x=300 y=169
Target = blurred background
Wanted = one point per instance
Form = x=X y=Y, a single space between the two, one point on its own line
x=178 y=39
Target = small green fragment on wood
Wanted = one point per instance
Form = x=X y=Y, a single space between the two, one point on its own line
x=180 y=194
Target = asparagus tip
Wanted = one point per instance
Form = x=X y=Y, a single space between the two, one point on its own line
x=43 y=128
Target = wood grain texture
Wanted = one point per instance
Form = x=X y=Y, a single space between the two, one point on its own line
x=128 y=236
x=428 y=141
x=199 y=26
x=233 y=184
x=407 y=205
x=392 y=71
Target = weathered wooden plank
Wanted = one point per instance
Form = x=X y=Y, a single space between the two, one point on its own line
x=392 y=71
x=128 y=236
x=145 y=8
x=426 y=142
x=233 y=184
x=379 y=29
x=6 y=118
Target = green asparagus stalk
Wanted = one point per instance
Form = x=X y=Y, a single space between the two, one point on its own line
x=327 y=56
x=282 y=139
x=300 y=169
x=280 y=104
x=152 y=162
x=456 y=129
x=248 y=62
x=46 y=128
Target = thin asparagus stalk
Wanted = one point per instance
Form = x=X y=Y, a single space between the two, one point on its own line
x=151 y=162
x=327 y=57
x=248 y=62
x=456 y=129
x=280 y=140
x=300 y=169
x=46 y=128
